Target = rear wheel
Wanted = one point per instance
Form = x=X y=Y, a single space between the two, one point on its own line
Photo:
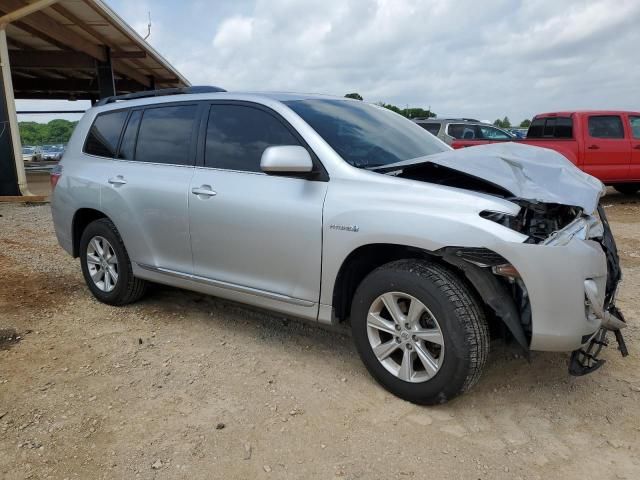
x=419 y=331
x=106 y=266
x=627 y=188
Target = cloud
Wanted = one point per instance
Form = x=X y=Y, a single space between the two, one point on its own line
x=474 y=58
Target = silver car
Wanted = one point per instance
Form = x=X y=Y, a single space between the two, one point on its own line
x=336 y=211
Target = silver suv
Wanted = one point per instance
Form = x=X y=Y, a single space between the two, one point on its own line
x=451 y=129
x=336 y=211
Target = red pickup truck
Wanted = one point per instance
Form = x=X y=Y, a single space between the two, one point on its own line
x=605 y=144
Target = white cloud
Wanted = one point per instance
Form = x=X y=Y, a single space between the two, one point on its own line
x=482 y=59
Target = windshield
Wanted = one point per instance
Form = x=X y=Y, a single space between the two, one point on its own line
x=364 y=135
x=28 y=150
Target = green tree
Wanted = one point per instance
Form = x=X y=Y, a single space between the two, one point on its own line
x=354 y=95
x=414 y=112
x=56 y=131
x=526 y=123
x=497 y=122
x=506 y=123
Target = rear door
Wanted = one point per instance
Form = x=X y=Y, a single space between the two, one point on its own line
x=254 y=234
x=146 y=189
x=607 y=151
x=634 y=128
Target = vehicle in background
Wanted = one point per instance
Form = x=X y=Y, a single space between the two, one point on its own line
x=52 y=152
x=603 y=143
x=464 y=132
x=518 y=132
x=31 y=154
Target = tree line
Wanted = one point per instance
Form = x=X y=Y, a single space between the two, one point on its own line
x=422 y=113
x=414 y=112
x=56 y=131
x=506 y=123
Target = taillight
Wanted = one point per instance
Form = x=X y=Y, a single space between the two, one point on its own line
x=56 y=173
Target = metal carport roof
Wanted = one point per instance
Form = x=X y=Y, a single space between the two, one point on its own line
x=67 y=49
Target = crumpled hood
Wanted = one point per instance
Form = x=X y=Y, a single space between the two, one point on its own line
x=530 y=173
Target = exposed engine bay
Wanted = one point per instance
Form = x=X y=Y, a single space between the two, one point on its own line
x=543 y=222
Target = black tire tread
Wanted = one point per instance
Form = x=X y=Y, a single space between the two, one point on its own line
x=467 y=310
x=468 y=314
x=135 y=287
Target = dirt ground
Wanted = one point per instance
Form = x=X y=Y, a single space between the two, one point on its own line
x=185 y=386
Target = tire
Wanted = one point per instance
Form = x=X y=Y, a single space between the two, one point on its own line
x=452 y=312
x=125 y=288
x=627 y=188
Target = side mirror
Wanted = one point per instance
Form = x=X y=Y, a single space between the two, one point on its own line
x=284 y=159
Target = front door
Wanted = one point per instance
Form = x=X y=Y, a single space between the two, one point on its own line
x=607 y=153
x=252 y=234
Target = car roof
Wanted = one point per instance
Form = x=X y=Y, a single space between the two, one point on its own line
x=569 y=113
x=115 y=103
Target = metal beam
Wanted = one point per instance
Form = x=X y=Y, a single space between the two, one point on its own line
x=13 y=180
x=48 y=27
x=41 y=59
x=104 y=73
x=70 y=85
x=127 y=54
x=25 y=10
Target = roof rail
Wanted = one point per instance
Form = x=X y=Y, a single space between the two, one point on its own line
x=160 y=93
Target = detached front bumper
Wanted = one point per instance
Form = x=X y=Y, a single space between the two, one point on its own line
x=570 y=283
x=554 y=278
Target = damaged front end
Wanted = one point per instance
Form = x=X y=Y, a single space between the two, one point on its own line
x=550 y=299
x=556 y=225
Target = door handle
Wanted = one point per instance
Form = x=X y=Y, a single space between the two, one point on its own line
x=204 y=190
x=637 y=147
x=594 y=147
x=119 y=180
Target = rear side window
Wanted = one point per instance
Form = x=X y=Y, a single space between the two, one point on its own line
x=536 y=129
x=104 y=134
x=461 y=131
x=551 y=127
x=165 y=135
x=606 y=126
x=635 y=126
x=432 y=128
x=237 y=136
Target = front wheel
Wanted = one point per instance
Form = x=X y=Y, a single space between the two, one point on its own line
x=106 y=266
x=419 y=331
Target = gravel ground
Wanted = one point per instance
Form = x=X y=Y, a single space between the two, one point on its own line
x=185 y=386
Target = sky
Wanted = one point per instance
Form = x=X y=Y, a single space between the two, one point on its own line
x=481 y=59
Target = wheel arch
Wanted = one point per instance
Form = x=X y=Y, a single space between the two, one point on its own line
x=494 y=296
x=81 y=218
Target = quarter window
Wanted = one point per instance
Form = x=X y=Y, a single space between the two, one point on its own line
x=104 y=134
x=237 y=136
x=490 y=133
x=606 y=126
x=635 y=126
x=165 y=135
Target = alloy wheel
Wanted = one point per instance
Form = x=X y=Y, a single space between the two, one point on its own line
x=102 y=264
x=405 y=337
